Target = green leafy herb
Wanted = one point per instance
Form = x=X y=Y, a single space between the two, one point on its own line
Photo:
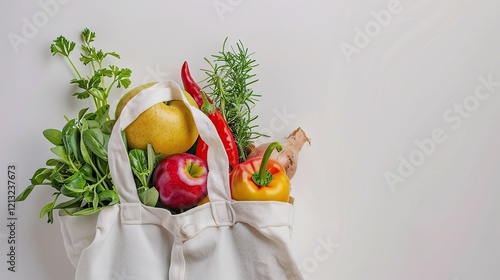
x=94 y=85
x=80 y=171
x=143 y=164
x=229 y=82
x=76 y=172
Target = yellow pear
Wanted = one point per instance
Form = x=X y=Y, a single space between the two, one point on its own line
x=167 y=126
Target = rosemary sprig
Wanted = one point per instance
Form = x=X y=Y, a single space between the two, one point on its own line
x=229 y=79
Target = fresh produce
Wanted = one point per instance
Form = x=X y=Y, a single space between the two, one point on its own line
x=229 y=81
x=289 y=155
x=80 y=169
x=260 y=178
x=204 y=200
x=95 y=85
x=214 y=115
x=181 y=180
x=143 y=164
x=168 y=158
x=191 y=86
x=168 y=126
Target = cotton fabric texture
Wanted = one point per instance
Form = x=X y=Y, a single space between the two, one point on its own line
x=222 y=239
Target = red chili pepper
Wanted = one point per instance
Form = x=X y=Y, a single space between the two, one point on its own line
x=191 y=86
x=214 y=115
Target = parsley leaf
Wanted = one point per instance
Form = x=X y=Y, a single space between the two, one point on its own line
x=94 y=86
x=62 y=46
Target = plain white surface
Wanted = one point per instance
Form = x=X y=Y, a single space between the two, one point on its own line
x=366 y=80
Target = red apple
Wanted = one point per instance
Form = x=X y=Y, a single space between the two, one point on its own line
x=181 y=180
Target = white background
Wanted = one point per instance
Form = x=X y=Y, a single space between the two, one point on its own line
x=366 y=80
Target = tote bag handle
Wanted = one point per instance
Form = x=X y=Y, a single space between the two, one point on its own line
x=119 y=164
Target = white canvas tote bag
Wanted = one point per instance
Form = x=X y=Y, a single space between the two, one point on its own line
x=222 y=239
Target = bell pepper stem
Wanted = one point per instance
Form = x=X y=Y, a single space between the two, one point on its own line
x=263 y=176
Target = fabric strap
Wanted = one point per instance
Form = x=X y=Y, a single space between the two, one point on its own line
x=241 y=232
x=222 y=211
x=218 y=185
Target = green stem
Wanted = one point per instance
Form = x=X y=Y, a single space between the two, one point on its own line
x=103 y=83
x=216 y=80
x=110 y=87
x=207 y=107
x=90 y=54
x=99 y=101
x=144 y=181
x=99 y=186
x=74 y=67
x=107 y=91
x=263 y=176
x=102 y=179
x=72 y=165
x=222 y=99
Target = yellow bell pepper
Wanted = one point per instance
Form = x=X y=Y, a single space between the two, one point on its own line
x=260 y=178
